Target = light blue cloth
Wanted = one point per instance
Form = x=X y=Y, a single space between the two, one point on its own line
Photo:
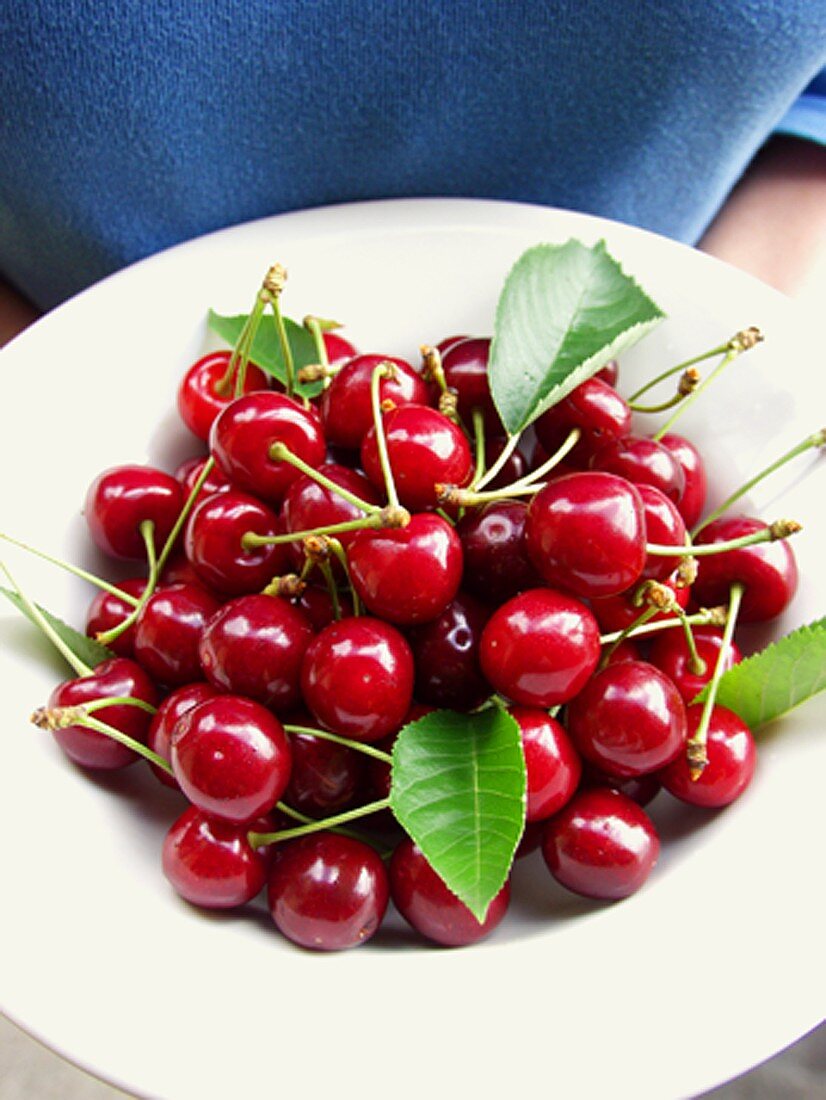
x=127 y=127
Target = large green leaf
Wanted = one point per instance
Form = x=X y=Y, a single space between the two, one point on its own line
x=89 y=651
x=564 y=311
x=266 y=347
x=777 y=679
x=458 y=788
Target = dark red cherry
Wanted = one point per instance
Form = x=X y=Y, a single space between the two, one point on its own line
x=586 y=533
x=327 y=892
x=731 y=760
x=317 y=605
x=173 y=707
x=596 y=409
x=407 y=574
x=425 y=449
x=308 y=505
x=465 y=364
x=693 y=500
x=245 y=431
x=189 y=472
x=496 y=565
x=664 y=526
x=211 y=863
x=446 y=656
x=346 y=409
x=601 y=845
x=609 y=373
x=107 y=611
x=120 y=499
x=515 y=467
x=768 y=570
x=431 y=908
x=628 y=720
x=552 y=763
x=112 y=679
x=671 y=655
x=325 y=777
x=231 y=758
x=199 y=401
x=338 y=347
x=254 y=646
x=642 y=461
x=213 y=543
x=357 y=678
x=641 y=788
x=540 y=648
x=168 y=631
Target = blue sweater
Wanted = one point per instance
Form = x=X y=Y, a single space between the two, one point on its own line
x=125 y=128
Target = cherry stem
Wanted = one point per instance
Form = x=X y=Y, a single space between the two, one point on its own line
x=780 y=529
x=119 y=701
x=432 y=369
x=504 y=455
x=313 y=326
x=696 y=664
x=338 y=550
x=696 y=746
x=283 y=339
x=689 y=381
x=382 y=370
x=237 y=365
x=565 y=448
x=710 y=616
x=259 y=840
x=74 y=570
x=479 y=438
x=251 y=540
x=327 y=573
x=280 y=452
x=60 y=717
x=817 y=439
x=358 y=746
x=183 y=515
x=297 y=815
x=40 y=620
x=147 y=530
x=721 y=349
x=632 y=628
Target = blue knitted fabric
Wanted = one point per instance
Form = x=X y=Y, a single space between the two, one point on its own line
x=126 y=127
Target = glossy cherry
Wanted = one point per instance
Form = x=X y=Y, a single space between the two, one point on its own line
x=317 y=604
x=114 y=678
x=231 y=758
x=244 y=432
x=446 y=656
x=596 y=409
x=327 y=892
x=664 y=526
x=586 y=533
x=629 y=719
x=107 y=611
x=168 y=631
x=731 y=761
x=408 y=574
x=767 y=570
x=424 y=449
x=122 y=498
x=601 y=845
x=641 y=788
x=552 y=763
x=642 y=461
x=671 y=655
x=496 y=565
x=170 y=710
x=210 y=862
x=213 y=542
x=325 y=777
x=308 y=505
x=199 y=401
x=693 y=500
x=254 y=646
x=189 y=472
x=540 y=647
x=431 y=908
x=339 y=349
x=514 y=468
x=618 y=612
x=465 y=365
x=346 y=408
x=357 y=678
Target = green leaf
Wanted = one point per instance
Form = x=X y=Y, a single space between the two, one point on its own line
x=564 y=311
x=266 y=347
x=777 y=679
x=89 y=651
x=458 y=789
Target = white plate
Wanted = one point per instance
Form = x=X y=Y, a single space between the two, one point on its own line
x=714 y=966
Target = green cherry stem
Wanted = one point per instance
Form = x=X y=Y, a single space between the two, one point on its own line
x=39 y=619
x=74 y=570
x=506 y=452
x=721 y=349
x=259 y=840
x=696 y=746
x=233 y=380
x=780 y=529
x=633 y=628
x=479 y=441
x=565 y=448
x=326 y=571
x=183 y=515
x=274 y=285
x=689 y=381
x=147 y=530
x=341 y=556
x=119 y=701
x=382 y=370
x=280 y=452
x=296 y=815
x=711 y=616
x=817 y=439
x=53 y=718
x=357 y=746
x=251 y=540
x=313 y=325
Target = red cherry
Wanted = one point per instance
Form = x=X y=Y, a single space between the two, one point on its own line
x=609 y=373
x=731 y=760
x=327 y=892
x=629 y=719
x=446 y=656
x=168 y=630
x=596 y=409
x=431 y=908
x=254 y=646
x=767 y=570
x=198 y=400
x=540 y=648
x=245 y=431
x=641 y=788
x=114 y=678
x=618 y=612
x=664 y=526
x=601 y=845
x=120 y=499
x=671 y=655
x=346 y=408
x=495 y=559
x=212 y=540
x=586 y=533
x=210 y=862
x=173 y=707
x=308 y=505
x=317 y=604
x=642 y=461
x=693 y=500
x=407 y=574
x=189 y=472
x=231 y=758
x=107 y=611
x=425 y=449
x=551 y=761
x=338 y=348
x=357 y=678
x=325 y=777
x=465 y=365
x=515 y=467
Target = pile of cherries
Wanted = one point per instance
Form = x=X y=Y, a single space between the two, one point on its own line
x=302 y=605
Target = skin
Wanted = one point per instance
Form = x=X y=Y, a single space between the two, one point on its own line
x=773 y=225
